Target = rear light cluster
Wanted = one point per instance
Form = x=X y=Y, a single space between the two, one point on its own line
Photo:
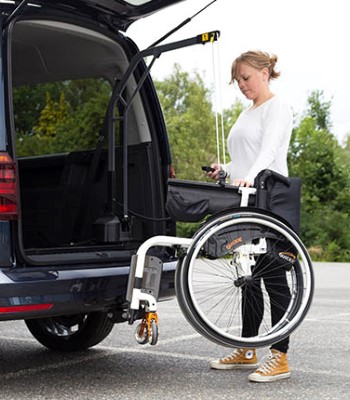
x=26 y=308
x=8 y=188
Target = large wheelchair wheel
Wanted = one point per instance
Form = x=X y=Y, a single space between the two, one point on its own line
x=246 y=280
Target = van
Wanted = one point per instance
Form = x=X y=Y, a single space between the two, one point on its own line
x=84 y=162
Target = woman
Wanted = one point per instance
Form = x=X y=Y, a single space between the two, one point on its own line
x=258 y=140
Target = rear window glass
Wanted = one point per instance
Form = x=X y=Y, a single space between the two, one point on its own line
x=59 y=117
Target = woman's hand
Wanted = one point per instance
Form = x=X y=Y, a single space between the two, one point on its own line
x=213 y=174
x=242 y=182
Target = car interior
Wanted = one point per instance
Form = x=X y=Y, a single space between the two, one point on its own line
x=64 y=186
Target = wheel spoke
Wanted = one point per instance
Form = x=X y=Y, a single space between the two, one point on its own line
x=243 y=272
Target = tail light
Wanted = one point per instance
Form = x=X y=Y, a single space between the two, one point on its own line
x=8 y=188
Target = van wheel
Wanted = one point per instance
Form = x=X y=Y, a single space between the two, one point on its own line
x=71 y=332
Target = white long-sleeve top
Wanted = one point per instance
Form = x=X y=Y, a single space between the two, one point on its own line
x=259 y=140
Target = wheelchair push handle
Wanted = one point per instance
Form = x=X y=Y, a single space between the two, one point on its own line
x=267 y=174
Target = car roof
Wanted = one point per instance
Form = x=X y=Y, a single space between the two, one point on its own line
x=121 y=13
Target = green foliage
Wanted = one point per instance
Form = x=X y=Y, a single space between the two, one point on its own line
x=190 y=122
x=319 y=110
x=28 y=103
x=62 y=117
x=317 y=157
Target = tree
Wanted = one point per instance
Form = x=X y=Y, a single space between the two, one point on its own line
x=29 y=101
x=67 y=116
x=190 y=122
x=319 y=110
x=316 y=156
x=51 y=116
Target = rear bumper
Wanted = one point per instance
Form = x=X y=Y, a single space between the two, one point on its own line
x=30 y=293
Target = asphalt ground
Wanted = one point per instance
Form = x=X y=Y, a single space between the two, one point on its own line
x=177 y=367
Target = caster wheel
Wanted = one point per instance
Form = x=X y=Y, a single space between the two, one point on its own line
x=141 y=334
x=153 y=338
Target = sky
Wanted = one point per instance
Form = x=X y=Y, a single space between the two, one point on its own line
x=310 y=38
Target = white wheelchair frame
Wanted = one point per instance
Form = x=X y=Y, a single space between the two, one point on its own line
x=147 y=331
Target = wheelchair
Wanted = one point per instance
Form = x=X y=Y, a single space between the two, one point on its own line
x=245 y=279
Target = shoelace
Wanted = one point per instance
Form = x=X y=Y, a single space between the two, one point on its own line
x=235 y=353
x=269 y=362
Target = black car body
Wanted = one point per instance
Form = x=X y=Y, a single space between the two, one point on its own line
x=71 y=216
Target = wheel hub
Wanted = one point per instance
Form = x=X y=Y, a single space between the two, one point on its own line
x=246 y=280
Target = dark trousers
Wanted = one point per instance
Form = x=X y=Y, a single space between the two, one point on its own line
x=275 y=280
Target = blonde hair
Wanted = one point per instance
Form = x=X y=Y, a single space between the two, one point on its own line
x=257 y=60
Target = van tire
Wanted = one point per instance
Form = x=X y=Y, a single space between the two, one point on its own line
x=72 y=332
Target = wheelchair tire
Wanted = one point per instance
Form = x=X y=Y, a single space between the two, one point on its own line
x=245 y=260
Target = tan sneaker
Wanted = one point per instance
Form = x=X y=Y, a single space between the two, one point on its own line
x=239 y=359
x=273 y=368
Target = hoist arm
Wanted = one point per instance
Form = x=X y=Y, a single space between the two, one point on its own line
x=156 y=51
x=118 y=97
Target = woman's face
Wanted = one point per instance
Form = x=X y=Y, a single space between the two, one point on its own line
x=252 y=82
